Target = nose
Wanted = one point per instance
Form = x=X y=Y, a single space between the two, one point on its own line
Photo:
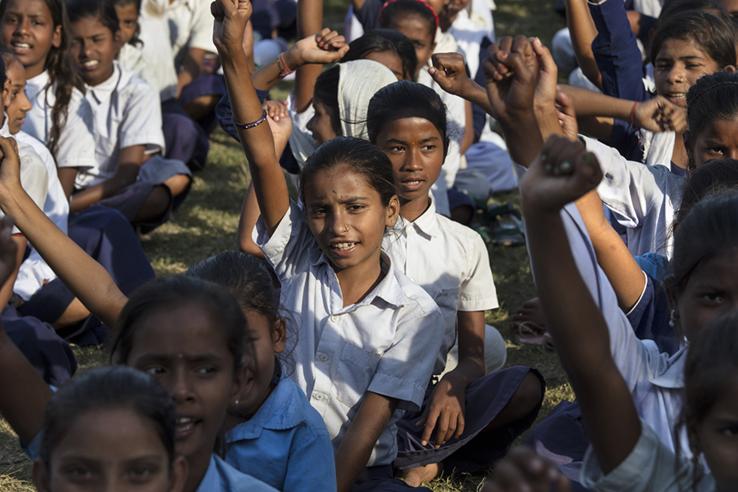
x=338 y=223
x=412 y=160
x=23 y=27
x=181 y=386
x=676 y=74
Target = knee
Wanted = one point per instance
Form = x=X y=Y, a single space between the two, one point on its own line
x=178 y=184
x=529 y=394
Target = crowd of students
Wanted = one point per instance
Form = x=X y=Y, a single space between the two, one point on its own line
x=344 y=347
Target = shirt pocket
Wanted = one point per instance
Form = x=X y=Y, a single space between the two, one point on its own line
x=354 y=372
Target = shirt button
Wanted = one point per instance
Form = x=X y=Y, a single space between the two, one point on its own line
x=322 y=357
x=318 y=396
x=334 y=318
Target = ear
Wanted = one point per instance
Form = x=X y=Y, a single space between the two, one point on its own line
x=56 y=37
x=729 y=68
x=279 y=335
x=178 y=474
x=7 y=88
x=393 y=211
x=40 y=476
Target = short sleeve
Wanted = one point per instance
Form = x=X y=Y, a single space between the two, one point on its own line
x=76 y=147
x=142 y=124
x=418 y=337
x=478 y=292
x=311 y=462
x=291 y=248
x=201 y=35
x=650 y=467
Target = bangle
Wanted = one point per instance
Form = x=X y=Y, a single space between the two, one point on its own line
x=284 y=68
x=632 y=114
x=252 y=124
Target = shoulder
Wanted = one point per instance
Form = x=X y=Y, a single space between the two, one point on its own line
x=463 y=237
x=418 y=303
x=222 y=476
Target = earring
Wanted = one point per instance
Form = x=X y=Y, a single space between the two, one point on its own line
x=235 y=402
x=673 y=318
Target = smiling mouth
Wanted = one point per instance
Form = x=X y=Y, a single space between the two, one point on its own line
x=185 y=426
x=90 y=64
x=342 y=248
x=20 y=46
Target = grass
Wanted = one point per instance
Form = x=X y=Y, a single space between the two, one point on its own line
x=207 y=222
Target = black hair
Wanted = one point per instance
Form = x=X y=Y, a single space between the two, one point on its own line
x=136 y=39
x=63 y=77
x=676 y=7
x=713 y=97
x=712 y=220
x=102 y=10
x=251 y=282
x=405 y=99
x=712 y=178
x=168 y=293
x=361 y=156
x=382 y=40
x=109 y=387
x=393 y=13
x=711 y=358
x=714 y=34
x=3 y=75
x=326 y=93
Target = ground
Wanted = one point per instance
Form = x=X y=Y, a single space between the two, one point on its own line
x=207 y=222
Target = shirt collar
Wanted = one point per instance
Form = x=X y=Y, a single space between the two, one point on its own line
x=280 y=411
x=427 y=223
x=673 y=376
x=108 y=86
x=5 y=130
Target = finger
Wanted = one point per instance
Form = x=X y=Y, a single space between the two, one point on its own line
x=430 y=424
x=444 y=426
x=460 y=425
x=545 y=58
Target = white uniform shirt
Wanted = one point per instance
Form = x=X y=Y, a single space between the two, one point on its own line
x=34 y=271
x=127 y=113
x=387 y=343
x=450 y=261
x=643 y=198
x=190 y=23
x=655 y=379
x=76 y=143
x=153 y=61
x=650 y=467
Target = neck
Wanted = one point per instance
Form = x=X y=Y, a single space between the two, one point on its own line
x=412 y=209
x=356 y=282
x=198 y=466
x=107 y=77
x=679 y=155
x=34 y=70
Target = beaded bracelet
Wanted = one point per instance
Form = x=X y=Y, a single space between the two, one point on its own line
x=253 y=124
x=284 y=68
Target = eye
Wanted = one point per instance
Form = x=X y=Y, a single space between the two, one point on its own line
x=78 y=473
x=693 y=66
x=356 y=207
x=141 y=473
x=155 y=370
x=206 y=370
x=429 y=147
x=395 y=149
x=712 y=298
x=715 y=151
x=317 y=212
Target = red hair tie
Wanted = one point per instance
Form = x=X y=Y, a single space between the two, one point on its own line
x=422 y=2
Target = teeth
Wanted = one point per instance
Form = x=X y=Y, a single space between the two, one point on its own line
x=90 y=64
x=184 y=420
x=343 y=245
x=21 y=45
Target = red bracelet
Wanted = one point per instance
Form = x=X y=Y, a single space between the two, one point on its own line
x=284 y=68
x=632 y=114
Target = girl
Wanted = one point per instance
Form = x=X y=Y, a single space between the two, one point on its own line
x=701 y=270
x=388 y=47
x=127 y=127
x=272 y=432
x=361 y=321
x=110 y=427
x=408 y=122
x=37 y=33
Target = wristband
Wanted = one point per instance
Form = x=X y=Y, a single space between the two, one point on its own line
x=252 y=124
x=284 y=68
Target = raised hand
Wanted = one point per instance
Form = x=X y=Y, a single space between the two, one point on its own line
x=328 y=46
x=548 y=74
x=660 y=115
x=280 y=124
x=566 y=115
x=512 y=74
x=449 y=71
x=562 y=173
x=521 y=470
x=231 y=18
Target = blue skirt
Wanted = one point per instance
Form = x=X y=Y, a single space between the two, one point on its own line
x=485 y=399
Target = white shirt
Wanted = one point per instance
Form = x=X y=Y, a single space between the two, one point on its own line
x=450 y=261
x=650 y=467
x=654 y=378
x=127 y=113
x=76 y=143
x=34 y=271
x=643 y=198
x=190 y=23
x=153 y=61
x=387 y=343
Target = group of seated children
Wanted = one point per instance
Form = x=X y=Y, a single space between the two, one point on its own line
x=345 y=346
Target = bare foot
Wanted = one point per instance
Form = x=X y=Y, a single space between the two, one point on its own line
x=415 y=477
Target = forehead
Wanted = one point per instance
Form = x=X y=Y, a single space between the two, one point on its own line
x=172 y=331
x=107 y=434
x=128 y=10
x=338 y=183
x=389 y=59
x=15 y=72
x=721 y=268
x=409 y=129
x=675 y=48
x=723 y=130
x=36 y=8
x=414 y=27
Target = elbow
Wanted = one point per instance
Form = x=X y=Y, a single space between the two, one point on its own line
x=248 y=246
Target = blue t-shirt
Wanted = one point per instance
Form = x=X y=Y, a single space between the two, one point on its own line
x=285 y=444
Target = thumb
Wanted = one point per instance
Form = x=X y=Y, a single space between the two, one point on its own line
x=545 y=59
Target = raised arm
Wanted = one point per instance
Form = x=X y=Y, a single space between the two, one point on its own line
x=309 y=21
x=583 y=31
x=231 y=17
x=562 y=174
x=89 y=281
